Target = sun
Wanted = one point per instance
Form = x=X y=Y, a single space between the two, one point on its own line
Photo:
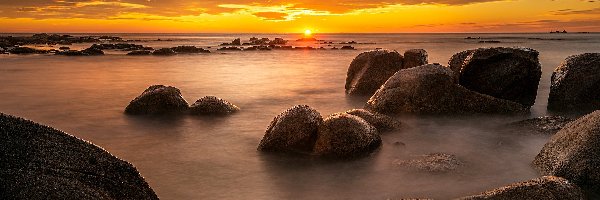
x=307 y=33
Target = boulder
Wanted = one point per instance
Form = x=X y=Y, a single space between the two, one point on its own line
x=380 y=121
x=26 y=50
x=574 y=153
x=414 y=58
x=544 y=188
x=40 y=162
x=457 y=60
x=164 y=52
x=292 y=131
x=189 y=49
x=434 y=163
x=92 y=52
x=158 y=99
x=369 y=70
x=139 y=53
x=345 y=136
x=507 y=73
x=547 y=125
x=575 y=84
x=432 y=89
x=212 y=105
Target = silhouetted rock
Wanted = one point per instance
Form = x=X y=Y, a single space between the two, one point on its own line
x=294 y=130
x=189 y=49
x=434 y=163
x=119 y=46
x=414 y=58
x=40 y=162
x=26 y=50
x=369 y=70
x=158 y=99
x=432 y=89
x=212 y=105
x=347 y=48
x=457 y=61
x=229 y=49
x=506 y=73
x=139 y=53
x=306 y=40
x=345 y=136
x=86 y=52
x=164 y=52
x=380 y=121
x=547 y=125
x=574 y=153
x=544 y=188
x=575 y=84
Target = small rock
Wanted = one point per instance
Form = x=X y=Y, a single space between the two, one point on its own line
x=164 y=52
x=212 y=105
x=547 y=125
x=158 y=99
x=346 y=136
x=139 y=53
x=435 y=163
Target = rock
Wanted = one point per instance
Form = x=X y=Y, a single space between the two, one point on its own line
x=158 y=99
x=507 y=73
x=346 y=136
x=212 y=105
x=547 y=125
x=292 y=131
x=369 y=70
x=457 y=61
x=92 y=52
x=575 y=84
x=139 y=53
x=26 y=50
x=164 y=52
x=380 y=121
x=230 y=49
x=544 y=188
x=574 y=153
x=434 y=163
x=236 y=42
x=347 y=48
x=414 y=58
x=432 y=89
x=189 y=49
x=40 y=162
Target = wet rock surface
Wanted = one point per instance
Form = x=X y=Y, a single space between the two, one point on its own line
x=547 y=125
x=292 y=131
x=380 y=121
x=369 y=70
x=575 y=84
x=211 y=105
x=39 y=162
x=415 y=58
x=158 y=99
x=544 y=188
x=434 y=163
x=345 y=136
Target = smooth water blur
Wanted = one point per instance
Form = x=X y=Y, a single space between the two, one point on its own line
x=215 y=157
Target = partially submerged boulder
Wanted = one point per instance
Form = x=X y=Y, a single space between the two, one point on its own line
x=346 y=136
x=574 y=153
x=164 y=52
x=158 y=99
x=544 y=188
x=369 y=70
x=39 y=162
x=212 y=105
x=139 y=53
x=189 y=49
x=414 y=58
x=432 y=89
x=547 y=125
x=575 y=84
x=380 y=121
x=292 y=131
x=434 y=163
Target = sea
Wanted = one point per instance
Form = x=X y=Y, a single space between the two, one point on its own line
x=210 y=157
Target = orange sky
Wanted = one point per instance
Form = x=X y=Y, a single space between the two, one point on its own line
x=320 y=16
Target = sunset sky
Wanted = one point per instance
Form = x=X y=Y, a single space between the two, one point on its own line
x=320 y=16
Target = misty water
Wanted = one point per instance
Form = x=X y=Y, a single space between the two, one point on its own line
x=190 y=157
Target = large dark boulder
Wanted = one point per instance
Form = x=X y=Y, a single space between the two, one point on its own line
x=369 y=70
x=292 y=131
x=380 y=121
x=432 y=163
x=211 y=105
x=158 y=99
x=544 y=188
x=414 y=58
x=432 y=89
x=574 y=153
x=39 y=162
x=506 y=73
x=575 y=84
x=345 y=136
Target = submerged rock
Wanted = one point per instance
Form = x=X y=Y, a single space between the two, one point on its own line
x=369 y=70
x=164 y=52
x=212 y=105
x=435 y=163
x=158 y=99
x=415 y=58
x=432 y=89
x=39 y=162
x=542 y=125
x=86 y=52
x=380 y=121
x=26 y=50
x=189 y=49
x=574 y=153
x=345 y=136
x=575 y=84
x=294 y=130
x=544 y=188
x=139 y=53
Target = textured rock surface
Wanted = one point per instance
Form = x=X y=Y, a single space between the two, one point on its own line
x=542 y=125
x=432 y=89
x=576 y=84
x=212 y=105
x=39 y=162
x=158 y=99
x=369 y=70
x=414 y=58
x=544 y=188
x=380 y=121
x=294 y=130
x=435 y=163
x=346 y=136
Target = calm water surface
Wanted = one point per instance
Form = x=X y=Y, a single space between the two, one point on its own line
x=215 y=157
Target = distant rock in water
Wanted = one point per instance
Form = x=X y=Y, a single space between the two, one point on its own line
x=544 y=188
x=415 y=58
x=212 y=105
x=139 y=53
x=380 y=121
x=547 y=125
x=189 y=49
x=432 y=89
x=434 y=163
x=369 y=70
x=26 y=50
x=158 y=99
x=39 y=162
x=574 y=153
x=345 y=136
x=575 y=84
x=86 y=52
x=507 y=73
x=164 y=52
x=292 y=131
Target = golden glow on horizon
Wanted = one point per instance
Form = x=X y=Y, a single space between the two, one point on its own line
x=307 y=33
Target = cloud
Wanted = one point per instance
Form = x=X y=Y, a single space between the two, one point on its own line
x=593 y=11
x=275 y=16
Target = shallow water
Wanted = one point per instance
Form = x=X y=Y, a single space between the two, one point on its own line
x=215 y=157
